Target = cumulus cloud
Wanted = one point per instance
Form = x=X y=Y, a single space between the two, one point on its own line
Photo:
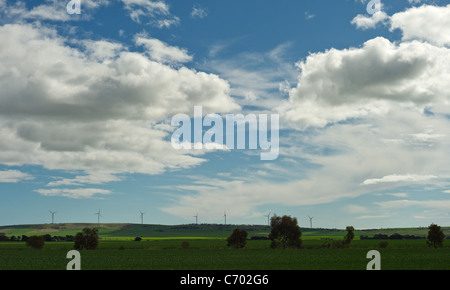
x=337 y=85
x=426 y=22
x=373 y=118
x=99 y=108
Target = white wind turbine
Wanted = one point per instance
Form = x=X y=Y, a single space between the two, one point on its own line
x=310 y=221
x=268 y=219
x=196 y=218
x=53 y=215
x=98 y=217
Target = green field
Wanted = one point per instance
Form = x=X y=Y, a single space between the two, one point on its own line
x=161 y=249
x=214 y=255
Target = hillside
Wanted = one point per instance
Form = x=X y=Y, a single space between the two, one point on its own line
x=188 y=230
x=134 y=230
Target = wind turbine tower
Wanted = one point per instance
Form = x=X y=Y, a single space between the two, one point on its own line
x=98 y=217
x=53 y=215
x=268 y=219
x=225 y=216
x=310 y=221
x=142 y=217
x=196 y=219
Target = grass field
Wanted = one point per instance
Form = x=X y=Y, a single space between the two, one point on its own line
x=161 y=249
x=214 y=255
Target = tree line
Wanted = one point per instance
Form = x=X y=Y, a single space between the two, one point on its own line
x=395 y=236
x=46 y=237
x=285 y=233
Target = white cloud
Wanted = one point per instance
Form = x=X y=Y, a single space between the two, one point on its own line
x=158 y=12
x=253 y=81
x=101 y=108
x=366 y=22
x=77 y=193
x=199 y=12
x=93 y=178
x=426 y=22
x=309 y=16
x=162 y=52
x=395 y=204
x=367 y=115
x=338 y=85
x=399 y=178
x=53 y=10
x=372 y=217
x=14 y=176
x=353 y=208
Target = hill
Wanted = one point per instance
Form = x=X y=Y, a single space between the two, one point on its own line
x=119 y=230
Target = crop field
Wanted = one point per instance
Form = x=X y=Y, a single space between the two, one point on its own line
x=205 y=248
x=211 y=254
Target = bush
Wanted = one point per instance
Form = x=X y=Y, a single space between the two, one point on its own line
x=238 y=239
x=36 y=242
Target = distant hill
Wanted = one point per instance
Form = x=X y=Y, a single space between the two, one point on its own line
x=188 y=230
x=135 y=230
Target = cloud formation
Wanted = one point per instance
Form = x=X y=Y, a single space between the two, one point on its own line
x=97 y=108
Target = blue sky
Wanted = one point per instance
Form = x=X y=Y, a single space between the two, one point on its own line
x=86 y=103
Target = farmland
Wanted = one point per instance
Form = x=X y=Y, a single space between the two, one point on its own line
x=205 y=248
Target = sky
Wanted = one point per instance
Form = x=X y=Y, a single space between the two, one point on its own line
x=360 y=89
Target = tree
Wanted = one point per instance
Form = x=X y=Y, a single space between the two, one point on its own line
x=238 y=239
x=349 y=236
x=285 y=232
x=435 y=236
x=87 y=239
x=36 y=242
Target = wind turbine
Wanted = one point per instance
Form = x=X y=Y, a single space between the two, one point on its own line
x=268 y=219
x=142 y=217
x=53 y=214
x=98 y=217
x=196 y=218
x=225 y=216
x=310 y=221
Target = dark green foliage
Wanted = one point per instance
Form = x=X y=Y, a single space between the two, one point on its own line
x=36 y=242
x=346 y=241
x=87 y=239
x=349 y=236
x=238 y=239
x=285 y=232
x=435 y=236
